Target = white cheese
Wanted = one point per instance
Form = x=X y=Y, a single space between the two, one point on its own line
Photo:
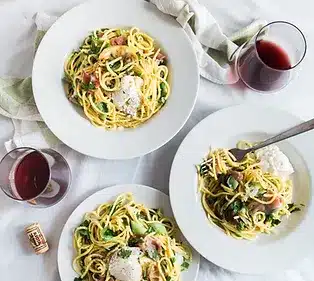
x=274 y=161
x=126 y=268
x=128 y=99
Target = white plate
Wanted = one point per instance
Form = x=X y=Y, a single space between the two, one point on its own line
x=143 y=194
x=223 y=129
x=67 y=122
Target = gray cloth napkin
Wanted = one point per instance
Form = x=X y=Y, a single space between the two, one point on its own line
x=215 y=51
x=17 y=102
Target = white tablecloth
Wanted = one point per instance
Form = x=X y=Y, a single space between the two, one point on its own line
x=17 y=32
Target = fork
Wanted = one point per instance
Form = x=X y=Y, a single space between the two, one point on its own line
x=239 y=154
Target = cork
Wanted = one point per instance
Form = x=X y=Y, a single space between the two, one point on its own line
x=37 y=238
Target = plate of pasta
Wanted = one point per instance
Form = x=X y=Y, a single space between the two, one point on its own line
x=118 y=76
x=112 y=81
x=249 y=213
x=125 y=233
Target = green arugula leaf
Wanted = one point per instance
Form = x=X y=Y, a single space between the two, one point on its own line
x=125 y=253
x=162 y=100
x=275 y=222
x=168 y=278
x=103 y=107
x=85 y=223
x=78 y=279
x=240 y=225
x=150 y=229
x=173 y=260
x=163 y=90
x=135 y=241
x=95 y=45
x=89 y=86
x=153 y=254
x=232 y=182
x=185 y=265
x=293 y=208
x=270 y=218
x=163 y=86
x=107 y=234
x=84 y=232
x=138 y=73
x=236 y=206
x=163 y=93
x=116 y=65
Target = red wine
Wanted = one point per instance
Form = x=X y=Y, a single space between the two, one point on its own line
x=31 y=175
x=273 y=55
x=263 y=68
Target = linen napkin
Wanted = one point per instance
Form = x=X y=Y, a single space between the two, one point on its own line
x=215 y=54
x=215 y=51
x=17 y=102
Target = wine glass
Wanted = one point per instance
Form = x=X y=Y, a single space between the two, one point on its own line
x=266 y=63
x=37 y=177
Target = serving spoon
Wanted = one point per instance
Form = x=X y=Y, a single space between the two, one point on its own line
x=239 y=154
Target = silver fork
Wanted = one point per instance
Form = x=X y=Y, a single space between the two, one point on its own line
x=239 y=154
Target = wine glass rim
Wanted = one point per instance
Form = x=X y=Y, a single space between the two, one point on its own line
x=33 y=150
x=292 y=25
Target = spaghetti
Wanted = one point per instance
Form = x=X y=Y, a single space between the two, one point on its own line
x=239 y=197
x=94 y=78
x=116 y=229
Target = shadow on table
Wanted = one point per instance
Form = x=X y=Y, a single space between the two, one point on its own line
x=154 y=168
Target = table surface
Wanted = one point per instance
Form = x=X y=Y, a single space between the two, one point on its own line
x=89 y=175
